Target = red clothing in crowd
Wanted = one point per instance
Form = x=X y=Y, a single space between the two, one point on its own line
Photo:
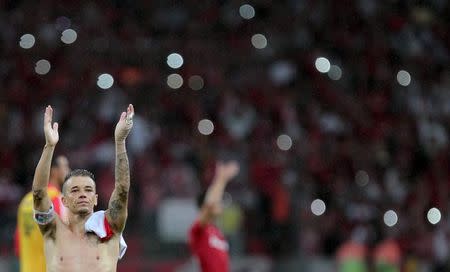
x=208 y=244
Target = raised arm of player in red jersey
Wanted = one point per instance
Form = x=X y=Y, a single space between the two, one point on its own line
x=212 y=205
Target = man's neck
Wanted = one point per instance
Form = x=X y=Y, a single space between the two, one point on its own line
x=77 y=221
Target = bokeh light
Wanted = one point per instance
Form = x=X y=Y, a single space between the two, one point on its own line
x=69 y=36
x=434 y=216
x=174 y=81
x=105 y=81
x=247 y=11
x=318 y=207
x=284 y=142
x=322 y=65
x=259 y=41
x=335 y=72
x=175 y=60
x=403 y=78
x=42 y=67
x=362 y=178
x=205 y=127
x=390 y=218
x=196 y=83
x=27 y=41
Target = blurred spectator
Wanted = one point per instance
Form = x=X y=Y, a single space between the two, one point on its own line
x=387 y=256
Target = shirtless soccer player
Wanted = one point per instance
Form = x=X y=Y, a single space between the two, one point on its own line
x=88 y=241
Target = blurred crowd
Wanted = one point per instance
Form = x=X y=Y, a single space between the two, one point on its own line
x=362 y=138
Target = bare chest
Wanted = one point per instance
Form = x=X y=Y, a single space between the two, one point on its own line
x=74 y=253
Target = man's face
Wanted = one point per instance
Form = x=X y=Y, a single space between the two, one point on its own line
x=79 y=195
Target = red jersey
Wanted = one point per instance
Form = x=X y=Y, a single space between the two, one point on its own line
x=210 y=247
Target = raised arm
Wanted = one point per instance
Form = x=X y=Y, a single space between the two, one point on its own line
x=213 y=199
x=117 y=208
x=41 y=200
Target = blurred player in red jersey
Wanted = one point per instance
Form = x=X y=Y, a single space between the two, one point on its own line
x=206 y=241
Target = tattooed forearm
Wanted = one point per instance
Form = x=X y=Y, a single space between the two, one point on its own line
x=122 y=170
x=38 y=195
x=40 y=179
x=117 y=210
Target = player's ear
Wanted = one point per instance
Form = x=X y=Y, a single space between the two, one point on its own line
x=64 y=201
x=96 y=200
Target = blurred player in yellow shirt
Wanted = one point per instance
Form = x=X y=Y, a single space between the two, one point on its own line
x=28 y=239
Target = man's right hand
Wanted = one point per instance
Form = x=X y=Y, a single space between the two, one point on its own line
x=51 y=132
x=226 y=170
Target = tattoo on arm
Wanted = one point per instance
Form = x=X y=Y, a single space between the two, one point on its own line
x=119 y=200
x=122 y=169
x=118 y=203
x=38 y=196
x=48 y=229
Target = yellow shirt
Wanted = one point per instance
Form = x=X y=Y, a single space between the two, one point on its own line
x=30 y=241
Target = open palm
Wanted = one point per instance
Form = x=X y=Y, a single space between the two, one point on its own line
x=124 y=124
x=227 y=170
x=50 y=131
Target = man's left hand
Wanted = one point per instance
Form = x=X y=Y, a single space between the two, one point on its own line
x=124 y=125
